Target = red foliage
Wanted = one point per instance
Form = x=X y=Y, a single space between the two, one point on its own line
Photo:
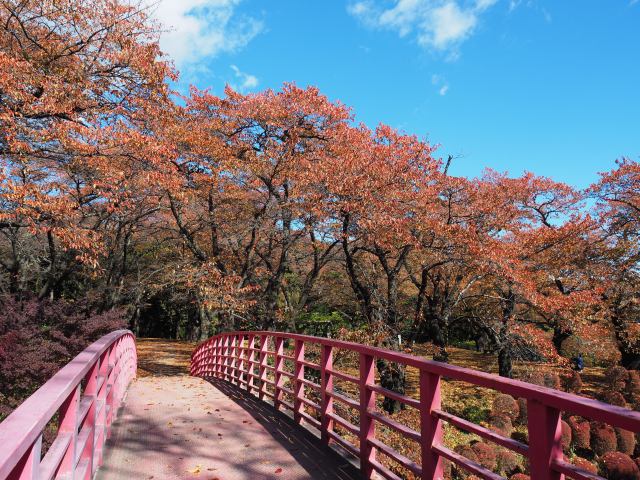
x=522 y=417
x=566 y=436
x=614 y=398
x=603 y=438
x=585 y=464
x=552 y=380
x=501 y=423
x=626 y=441
x=39 y=337
x=580 y=432
x=572 y=382
x=618 y=466
x=507 y=461
x=519 y=476
x=486 y=454
x=633 y=383
x=617 y=377
x=506 y=405
x=468 y=452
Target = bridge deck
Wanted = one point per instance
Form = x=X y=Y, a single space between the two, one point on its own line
x=176 y=427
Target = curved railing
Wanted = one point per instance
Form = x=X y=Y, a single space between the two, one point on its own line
x=232 y=357
x=85 y=395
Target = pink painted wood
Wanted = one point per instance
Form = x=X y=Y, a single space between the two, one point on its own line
x=545 y=405
x=85 y=415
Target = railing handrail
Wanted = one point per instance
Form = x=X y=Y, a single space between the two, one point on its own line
x=21 y=428
x=228 y=357
x=586 y=407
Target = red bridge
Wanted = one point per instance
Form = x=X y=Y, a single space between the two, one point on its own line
x=265 y=405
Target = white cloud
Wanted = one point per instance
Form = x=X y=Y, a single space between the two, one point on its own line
x=200 y=29
x=247 y=81
x=440 y=25
x=441 y=83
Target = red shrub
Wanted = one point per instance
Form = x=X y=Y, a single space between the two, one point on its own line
x=486 y=454
x=467 y=452
x=566 y=436
x=585 y=464
x=519 y=476
x=522 y=406
x=552 y=380
x=617 y=377
x=603 y=438
x=38 y=337
x=508 y=463
x=506 y=405
x=618 y=466
x=502 y=424
x=572 y=382
x=535 y=377
x=580 y=432
x=633 y=383
x=626 y=441
x=614 y=398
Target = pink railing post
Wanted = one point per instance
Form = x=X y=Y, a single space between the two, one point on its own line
x=29 y=465
x=91 y=390
x=326 y=383
x=234 y=360
x=216 y=355
x=101 y=409
x=68 y=424
x=225 y=353
x=545 y=447
x=243 y=361
x=430 y=426
x=278 y=377
x=264 y=347
x=367 y=426
x=112 y=388
x=251 y=363
x=298 y=372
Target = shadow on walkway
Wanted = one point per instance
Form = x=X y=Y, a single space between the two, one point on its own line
x=320 y=461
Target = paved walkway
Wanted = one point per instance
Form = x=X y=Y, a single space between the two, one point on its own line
x=180 y=427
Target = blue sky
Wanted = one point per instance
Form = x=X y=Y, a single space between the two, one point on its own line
x=551 y=87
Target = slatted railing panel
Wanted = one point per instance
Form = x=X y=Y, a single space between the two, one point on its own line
x=267 y=358
x=85 y=415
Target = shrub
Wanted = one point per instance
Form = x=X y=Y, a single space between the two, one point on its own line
x=552 y=380
x=38 y=337
x=486 y=454
x=535 y=377
x=519 y=476
x=502 y=424
x=584 y=464
x=626 y=441
x=580 y=432
x=506 y=405
x=603 y=438
x=617 y=377
x=633 y=383
x=618 y=466
x=572 y=382
x=566 y=436
x=614 y=398
x=507 y=462
x=522 y=407
x=467 y=452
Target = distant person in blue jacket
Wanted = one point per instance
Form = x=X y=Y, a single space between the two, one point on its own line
x=578 y=363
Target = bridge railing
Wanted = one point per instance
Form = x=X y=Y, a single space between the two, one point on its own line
x=85 y=396
x=256 y=361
